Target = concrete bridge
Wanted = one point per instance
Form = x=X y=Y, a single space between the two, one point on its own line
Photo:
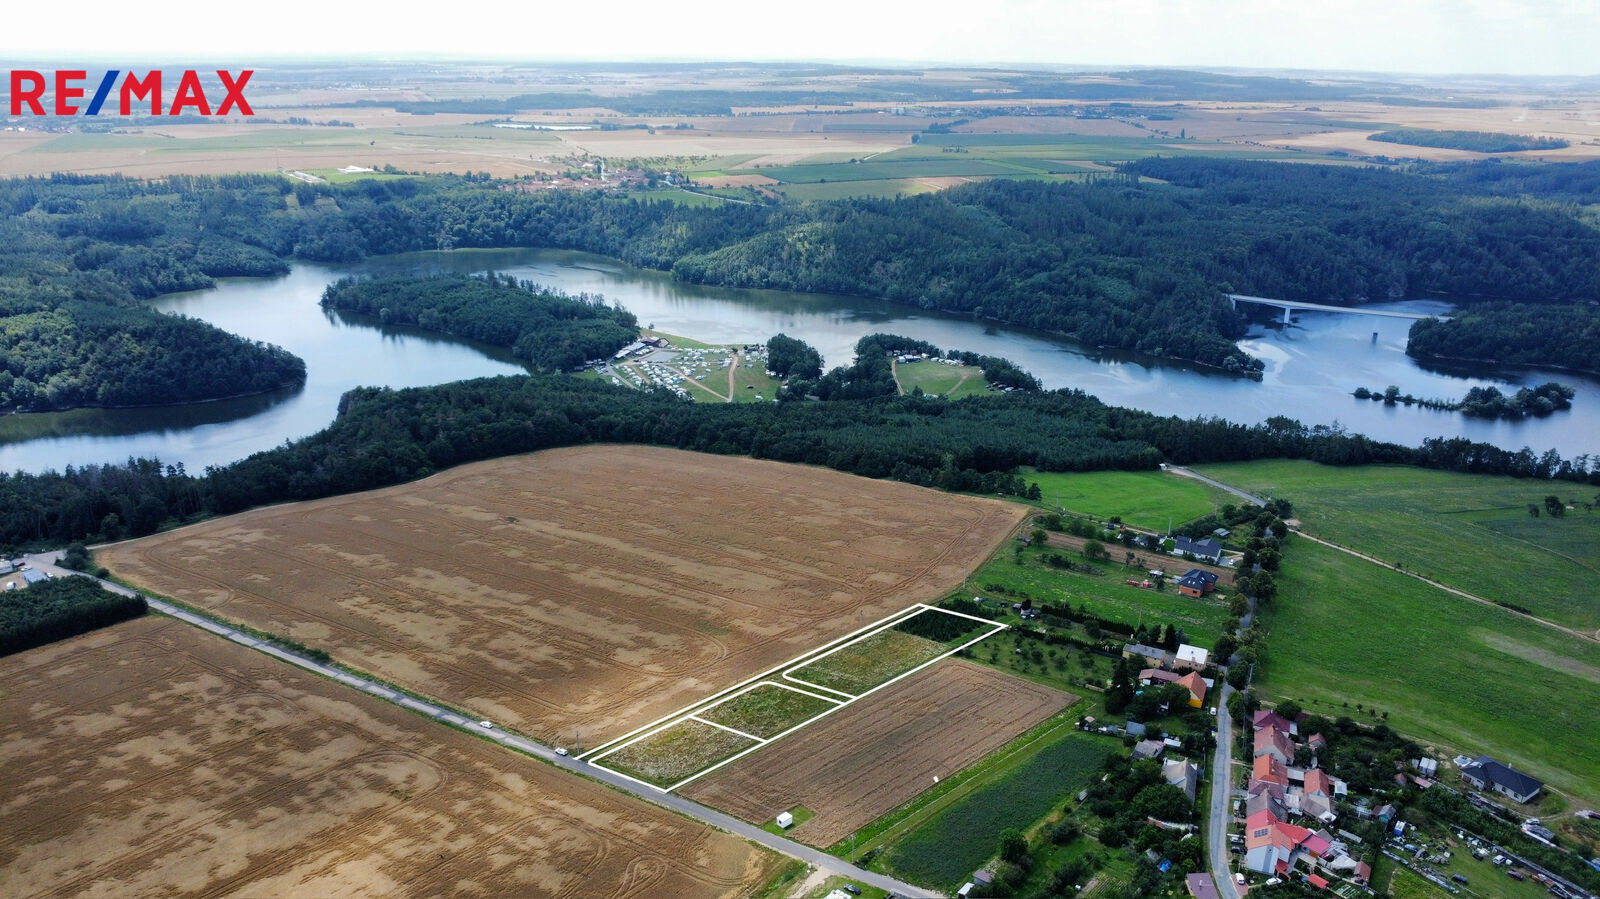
x=1289 y=306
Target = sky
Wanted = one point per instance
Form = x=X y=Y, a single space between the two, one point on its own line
x=1517 y=37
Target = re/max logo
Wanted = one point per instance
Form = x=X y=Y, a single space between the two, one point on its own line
x=27 y=87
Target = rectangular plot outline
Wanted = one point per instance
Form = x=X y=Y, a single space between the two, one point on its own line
x=691 y=711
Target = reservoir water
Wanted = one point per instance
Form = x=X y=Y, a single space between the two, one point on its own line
x=1311 y=367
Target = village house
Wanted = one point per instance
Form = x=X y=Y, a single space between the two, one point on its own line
x=1196 y=582
x=1182 y=774
x=1190 y=658
x=1487 y=774
x=1207 y=550
x=1153 y=656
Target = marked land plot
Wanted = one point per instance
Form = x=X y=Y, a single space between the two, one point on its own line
x=152 y=758
x=877 y=754
x=677 y=751
x=696 y=740
x=588 y=589
x=768 y=710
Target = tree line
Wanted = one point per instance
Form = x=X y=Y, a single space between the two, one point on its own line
x=385 y=436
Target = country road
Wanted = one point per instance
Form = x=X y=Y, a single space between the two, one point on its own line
x=46 y=562
x=1221 y=799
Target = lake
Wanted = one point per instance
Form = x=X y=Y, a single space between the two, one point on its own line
x=1311 y=366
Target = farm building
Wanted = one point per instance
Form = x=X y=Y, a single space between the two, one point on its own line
x=785 y=820
x=34 y=575
x=1487 y=774
x=1148 y=749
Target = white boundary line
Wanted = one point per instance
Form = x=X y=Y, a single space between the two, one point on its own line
x=853 y=635
x=689 y=713
x=773 y=683
x=730 y=730
x=789 y=677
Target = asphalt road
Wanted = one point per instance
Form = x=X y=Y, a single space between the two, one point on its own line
x=1221 y=799
x=816 y=857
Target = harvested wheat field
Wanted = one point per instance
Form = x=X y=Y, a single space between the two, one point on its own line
x=870 y=758
x=155 y=759
x=592 y=588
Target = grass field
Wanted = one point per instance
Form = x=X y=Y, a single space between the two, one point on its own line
x=1144 y=499
x=1406 y=885
x=953 y=381
x=863 y=665
x=766 y=711
x=949 y=847
x=671 y=754
x=1107 y=594
x=834 y=190
x=1472 y=532
x=1466 y=677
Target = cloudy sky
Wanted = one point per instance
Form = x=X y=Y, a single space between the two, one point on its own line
x=1523 y=37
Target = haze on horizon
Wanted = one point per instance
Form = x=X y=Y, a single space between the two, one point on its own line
x=1510 y=37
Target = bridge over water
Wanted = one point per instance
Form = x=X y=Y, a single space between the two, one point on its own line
x=1289 y=306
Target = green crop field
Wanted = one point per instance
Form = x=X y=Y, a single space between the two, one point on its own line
x=670 y=755
x=1472 y=532
x=766 y=711
x=834 y=190
x=946 y=849
x=866 y=664
x=1472 y=678
x=1028 y=576
x=953 y=381
x=1144 y=499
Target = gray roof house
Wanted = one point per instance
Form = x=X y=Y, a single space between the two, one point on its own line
x=1207 y=549
x=1487 y=774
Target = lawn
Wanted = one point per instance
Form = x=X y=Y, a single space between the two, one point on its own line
x=1028 y=576
x=766 y=711
x=863 y=665
x=953 y=381
x=1472 y=532
x=1144 y=499
x=944 y=850
x=1345 y=633
x=671 y=754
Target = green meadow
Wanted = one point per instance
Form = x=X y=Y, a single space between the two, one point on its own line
x=1347 y=637
x=1472 y=532
x=1144 y=499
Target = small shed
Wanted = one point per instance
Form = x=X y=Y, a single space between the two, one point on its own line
x=785 y=820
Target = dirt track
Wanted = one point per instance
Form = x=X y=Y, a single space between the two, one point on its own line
x=591 y=588
x=153 y=759
x=874 y=756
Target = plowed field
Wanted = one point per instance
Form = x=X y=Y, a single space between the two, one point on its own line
x=592 y=588
x=154 y=759
x=864 y=761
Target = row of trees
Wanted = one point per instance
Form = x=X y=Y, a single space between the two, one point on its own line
x=386 y=436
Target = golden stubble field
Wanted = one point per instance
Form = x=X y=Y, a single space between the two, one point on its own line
x=588 y=589
x=155 y=759
x=867 y=760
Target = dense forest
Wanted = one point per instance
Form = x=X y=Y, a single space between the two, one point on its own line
x=1485 y=402
x=1563 y=335
x=1138 y=261
x=547 y=330
x=1476 y=141
x=57 y=609
x=385 y=436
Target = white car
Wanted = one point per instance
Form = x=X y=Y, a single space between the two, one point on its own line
x=486 y=725
x=561 y=750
